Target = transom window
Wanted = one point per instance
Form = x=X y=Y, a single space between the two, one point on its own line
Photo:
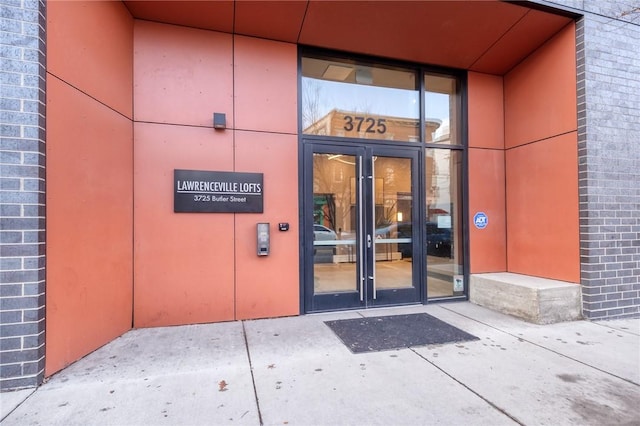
x=354 y=99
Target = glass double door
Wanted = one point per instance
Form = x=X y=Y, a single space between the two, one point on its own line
x=360 y=238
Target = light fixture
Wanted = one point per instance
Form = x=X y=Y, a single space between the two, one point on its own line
x=337 y=72
x=219 y=120
x=399 y=216
x=364 y=75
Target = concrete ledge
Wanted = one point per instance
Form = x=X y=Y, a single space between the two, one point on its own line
x=538 y=300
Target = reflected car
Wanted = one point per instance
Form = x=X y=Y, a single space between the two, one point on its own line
x=322 y=233
x=398 y=230
x=438 y=240
x=395 y=230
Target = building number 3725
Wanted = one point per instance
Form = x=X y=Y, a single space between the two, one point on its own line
x=364 y=124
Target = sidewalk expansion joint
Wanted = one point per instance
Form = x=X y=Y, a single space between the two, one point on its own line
x=522 y=339
x=500 y=409
x=621 y=330
x=253 y=379
x=19 y=403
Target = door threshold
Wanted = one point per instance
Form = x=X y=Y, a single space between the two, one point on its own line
x=370 y=309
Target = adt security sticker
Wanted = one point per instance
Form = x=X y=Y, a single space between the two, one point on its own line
x=480 y=220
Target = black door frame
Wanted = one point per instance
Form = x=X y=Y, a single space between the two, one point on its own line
x=461 y=146
x=363 y=151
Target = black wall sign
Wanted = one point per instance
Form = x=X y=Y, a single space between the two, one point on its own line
x=217 y=192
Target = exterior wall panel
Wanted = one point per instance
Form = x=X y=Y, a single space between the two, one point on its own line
x=89 y=224
x=210 y=270
x=487 y=247
x=265 y=141
x=90 y=178
x=90 y=48
x=540 y=93
x=541 y=162
x=542 y=209
x=182 y=75
x=485 y=111
x=268 y=286
x=265 y=85
x=184 y=262
x=184 y=274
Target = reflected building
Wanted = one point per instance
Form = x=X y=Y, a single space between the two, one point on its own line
x=355 y=124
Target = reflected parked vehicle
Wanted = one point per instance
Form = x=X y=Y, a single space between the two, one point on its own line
x=399 y=230
x=322 y=233
x=324 y=253
x=438 y=239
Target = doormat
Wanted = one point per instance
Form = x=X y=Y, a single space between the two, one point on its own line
x=395 y=332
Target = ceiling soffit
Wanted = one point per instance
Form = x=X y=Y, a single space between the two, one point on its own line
x=483 y=36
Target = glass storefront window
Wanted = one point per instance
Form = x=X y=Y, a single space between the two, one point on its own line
x=363 y=100
x=441 y=107
x=444 y=247
x=349 y=99
x=334 y=223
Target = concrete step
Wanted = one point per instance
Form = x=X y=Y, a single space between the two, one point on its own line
x=537 y=300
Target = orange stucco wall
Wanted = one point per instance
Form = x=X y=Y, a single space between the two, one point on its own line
x=268 y=286
x=266 y=110
x=182 y=75
x=542 y=205
x=540 y=93
x=523 y=170
x=486 y=172
x=192 y=267
x=89 y=46
x=184 y=263
x=89 y=178
x=265 y=86
x=542 y=162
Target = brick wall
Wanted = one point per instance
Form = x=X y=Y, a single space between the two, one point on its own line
x=22 y=193
x=609 y=155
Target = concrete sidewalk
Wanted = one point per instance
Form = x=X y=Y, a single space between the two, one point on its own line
x=296 y=371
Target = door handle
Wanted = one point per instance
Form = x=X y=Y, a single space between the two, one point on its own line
x=360 y=230
x=368 y=240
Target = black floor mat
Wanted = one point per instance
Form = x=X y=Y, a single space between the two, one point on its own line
x=394 y=332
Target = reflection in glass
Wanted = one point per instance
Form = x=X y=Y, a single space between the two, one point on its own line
x=393 y=234
x=441 y=109
x=444 y=223
x=348 y=99
x=334 y=223
x=336 y=217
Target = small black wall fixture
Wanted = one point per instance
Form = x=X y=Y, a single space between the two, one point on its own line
x=219 y=120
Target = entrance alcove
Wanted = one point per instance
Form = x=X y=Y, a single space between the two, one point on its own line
x=521 y=127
